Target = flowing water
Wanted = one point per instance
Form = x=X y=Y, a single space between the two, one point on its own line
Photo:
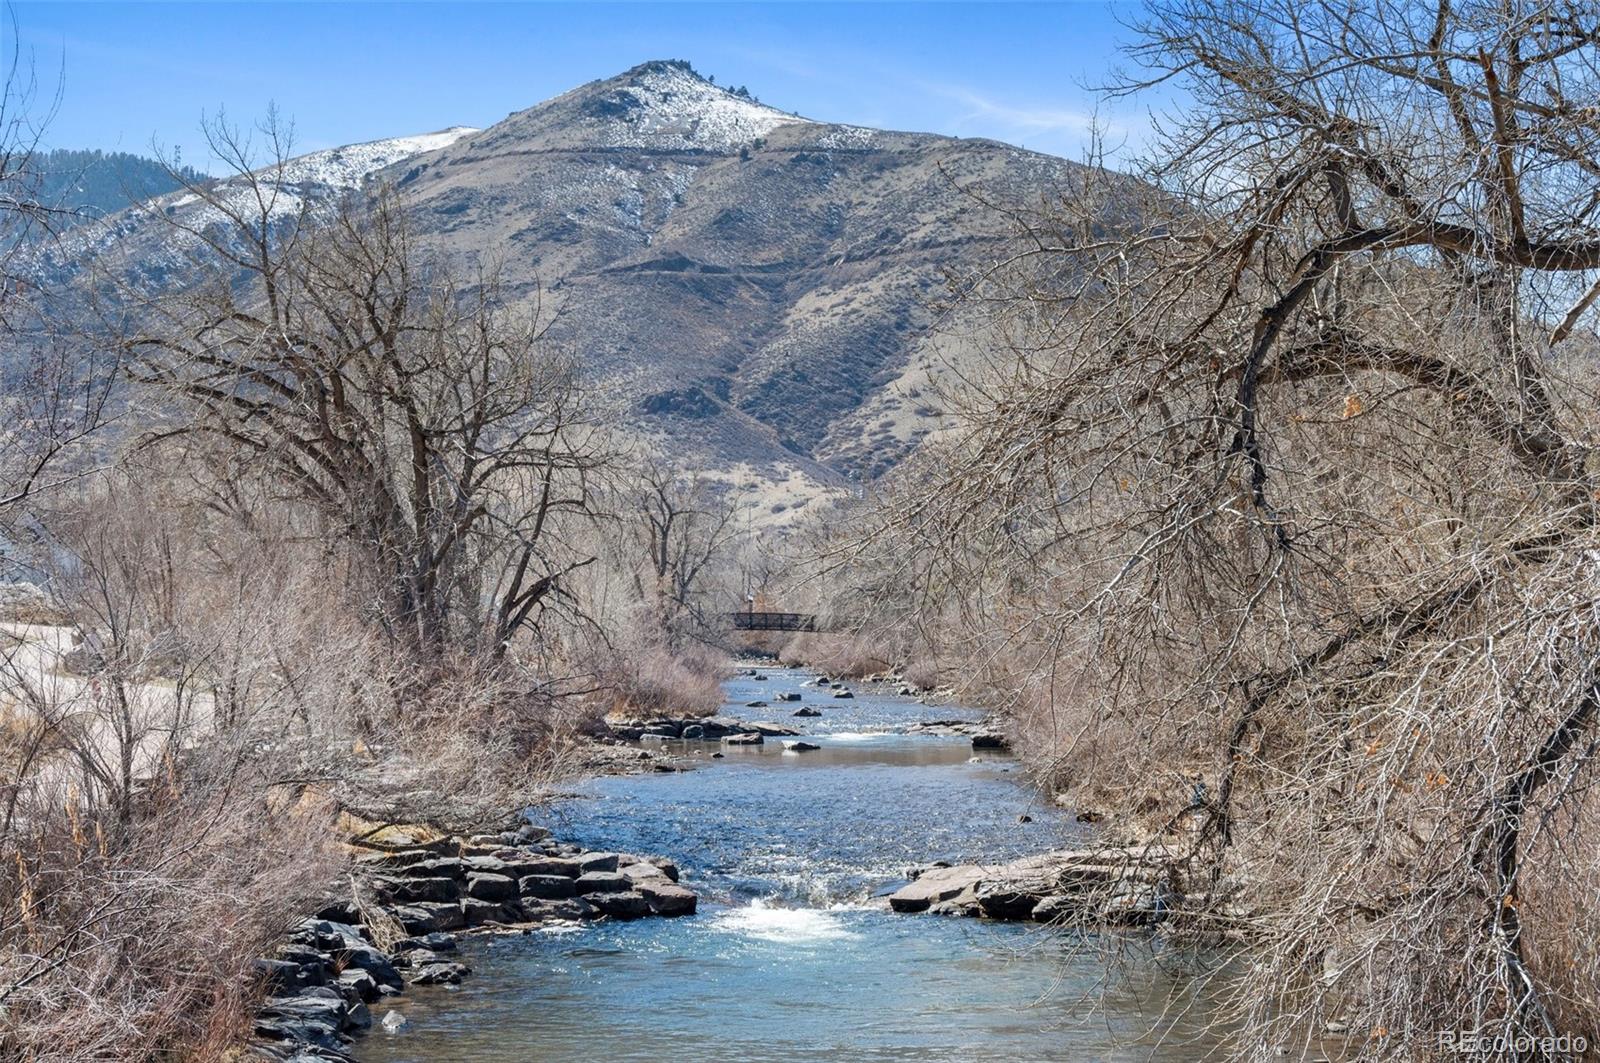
x=793 y=955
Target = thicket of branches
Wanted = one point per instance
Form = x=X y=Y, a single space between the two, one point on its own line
x=312 y=526
x=1276 y=521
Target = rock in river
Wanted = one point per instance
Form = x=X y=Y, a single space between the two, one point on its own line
x=628 y=904
x=667 y=898
x=938 y=884
x=592 y=882
x=488 y=886
x=548 y=887
x=598 y=862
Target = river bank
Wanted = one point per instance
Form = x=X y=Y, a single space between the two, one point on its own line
x=793 y=846
x=412 y=895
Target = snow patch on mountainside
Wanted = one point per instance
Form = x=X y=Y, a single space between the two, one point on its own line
x=311 y=181
x=349 y=166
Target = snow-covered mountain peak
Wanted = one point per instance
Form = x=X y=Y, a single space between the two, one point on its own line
x=665 y=104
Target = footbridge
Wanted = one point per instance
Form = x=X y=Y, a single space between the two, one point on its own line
x=750 y=620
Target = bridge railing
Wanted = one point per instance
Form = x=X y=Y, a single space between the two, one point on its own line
x=753 y=621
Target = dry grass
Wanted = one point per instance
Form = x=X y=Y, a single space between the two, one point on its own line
x=133 y=940
x=173 y=804
x=847 y=656
x=663 y=682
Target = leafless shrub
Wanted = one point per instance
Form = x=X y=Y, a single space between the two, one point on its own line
x=840 y=655
x=660 y=681
x=133 y=938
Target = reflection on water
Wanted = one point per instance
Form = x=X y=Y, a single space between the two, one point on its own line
x=790 y=957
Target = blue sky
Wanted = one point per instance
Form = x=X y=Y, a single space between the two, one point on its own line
x=132 y=73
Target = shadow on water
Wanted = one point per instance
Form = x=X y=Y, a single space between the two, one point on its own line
x=792 y=955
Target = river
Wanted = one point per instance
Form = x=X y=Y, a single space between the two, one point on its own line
x=793 y=956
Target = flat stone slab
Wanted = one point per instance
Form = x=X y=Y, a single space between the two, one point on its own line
x=935 y=885
x=1013 y=890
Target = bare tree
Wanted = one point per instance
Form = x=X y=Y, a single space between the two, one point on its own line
x=687 y=526
x=1279 y=513
x=55 y=386
x=440 y=432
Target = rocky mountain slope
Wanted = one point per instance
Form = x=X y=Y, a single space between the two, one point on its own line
x=755 y=288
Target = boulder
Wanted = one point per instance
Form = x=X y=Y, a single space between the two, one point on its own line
x=279 y=976
x=843 y=695
x=374 y=962
x=395 y=861
x=787 y=695
x=318 y=1004
x=801 y=747
x=315 y=965
x=641 y=869
x=598 y=862
x=362 y=984
x=752 y=738
x=989 y=740
x=440 y=867
x=755 y=704
x=771 y=730
x=547 y=887
x=628 y=904
x=667 y=898
x=437 y=942
x=393 y=1020
x=964 y=904
x=1053 y=909
x=808 y=712
x=297 y=1030
x=694 y=732
x=419 y=958
x=476 y=911
x=426 y=918
x=339 y=912
x=549 y=865
x=593 y=882
x=409 y=890
x=571 y=908
x=933 y=886
x=1007 y=900
x=528 y=834
x=447 y=972
x=326 y=934
x=489 y=886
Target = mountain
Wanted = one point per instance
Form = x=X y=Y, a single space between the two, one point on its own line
x=90 y=184
x=754 y=286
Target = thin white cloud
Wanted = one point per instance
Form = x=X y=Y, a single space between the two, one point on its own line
x=1043 y=127
x=980 y=108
